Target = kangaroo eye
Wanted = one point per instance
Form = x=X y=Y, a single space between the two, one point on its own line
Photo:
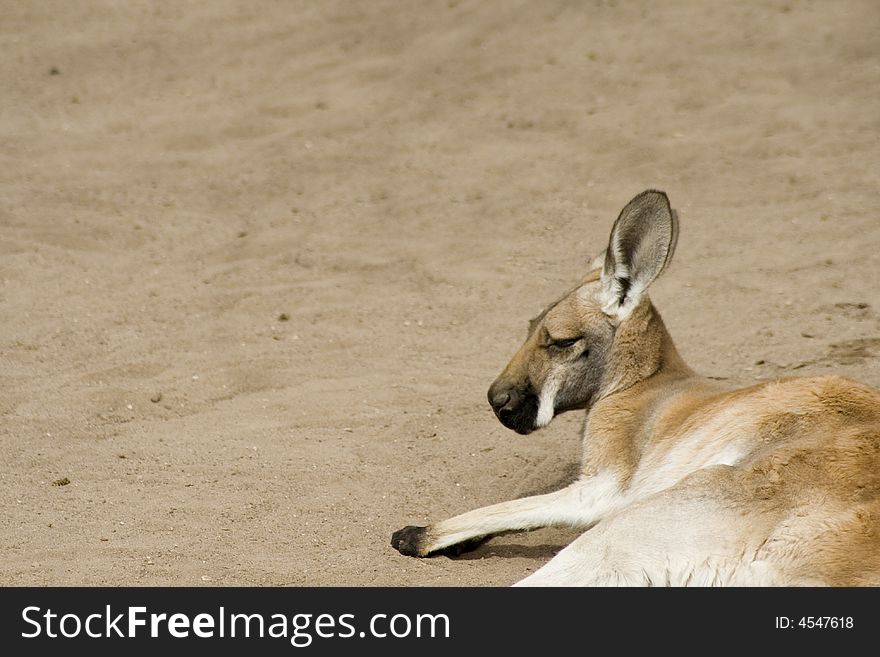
x=564 y=344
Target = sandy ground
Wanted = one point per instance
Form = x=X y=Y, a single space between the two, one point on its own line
x=259 y=262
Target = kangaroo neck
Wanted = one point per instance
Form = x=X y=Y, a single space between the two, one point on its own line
x=642 y=349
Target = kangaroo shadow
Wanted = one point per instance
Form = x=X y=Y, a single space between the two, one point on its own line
x=509 y=551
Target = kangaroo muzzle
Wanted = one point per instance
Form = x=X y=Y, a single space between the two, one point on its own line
x=515 y=407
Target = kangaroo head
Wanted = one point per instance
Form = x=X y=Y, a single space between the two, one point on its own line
x=602 y=335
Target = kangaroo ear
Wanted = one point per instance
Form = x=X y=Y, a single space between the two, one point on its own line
x=642 y=242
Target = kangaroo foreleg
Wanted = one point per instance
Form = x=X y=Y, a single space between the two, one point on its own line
x=580 y=504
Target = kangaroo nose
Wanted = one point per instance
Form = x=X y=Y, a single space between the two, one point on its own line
x=499 y=400
x=503 y=398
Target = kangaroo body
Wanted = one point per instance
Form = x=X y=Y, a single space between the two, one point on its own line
x=682 y=481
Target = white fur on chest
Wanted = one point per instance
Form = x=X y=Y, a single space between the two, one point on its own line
x=722 y=440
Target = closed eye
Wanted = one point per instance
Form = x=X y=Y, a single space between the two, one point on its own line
x=564 y=344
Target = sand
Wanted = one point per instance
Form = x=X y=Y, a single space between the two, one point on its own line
x=261 y=261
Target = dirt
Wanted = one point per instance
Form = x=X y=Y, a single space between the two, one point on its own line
x=261 y=261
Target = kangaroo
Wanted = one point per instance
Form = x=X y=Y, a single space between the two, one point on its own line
x=682 y=481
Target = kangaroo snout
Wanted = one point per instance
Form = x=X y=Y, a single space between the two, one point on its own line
x=499 y=397
x=514 y=408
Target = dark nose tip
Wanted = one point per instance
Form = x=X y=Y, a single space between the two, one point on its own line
x=499 y=400
x=503 y=398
